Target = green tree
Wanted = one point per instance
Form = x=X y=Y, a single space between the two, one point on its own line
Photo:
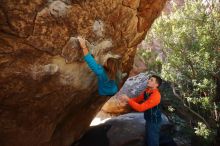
x=190 y=39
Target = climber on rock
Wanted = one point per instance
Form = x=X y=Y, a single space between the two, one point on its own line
x=108 y=75
x=148 y=102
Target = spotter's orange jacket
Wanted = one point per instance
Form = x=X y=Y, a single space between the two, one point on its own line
x=139 y=104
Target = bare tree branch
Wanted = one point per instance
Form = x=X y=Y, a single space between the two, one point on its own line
x=191 y=110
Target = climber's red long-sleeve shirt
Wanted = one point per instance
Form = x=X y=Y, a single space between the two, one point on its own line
x=140 y=105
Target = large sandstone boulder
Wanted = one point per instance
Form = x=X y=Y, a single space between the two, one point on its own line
x=48 y=95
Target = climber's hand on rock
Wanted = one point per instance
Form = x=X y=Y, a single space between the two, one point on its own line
x=82 y=42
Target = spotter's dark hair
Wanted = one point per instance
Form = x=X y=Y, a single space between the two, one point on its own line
x=158 y=80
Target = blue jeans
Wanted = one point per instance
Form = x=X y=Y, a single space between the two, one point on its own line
x=152 y=133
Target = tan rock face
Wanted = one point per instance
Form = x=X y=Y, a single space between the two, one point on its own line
x=48 y=95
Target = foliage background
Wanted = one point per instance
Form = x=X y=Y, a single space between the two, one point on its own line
x=184 y=48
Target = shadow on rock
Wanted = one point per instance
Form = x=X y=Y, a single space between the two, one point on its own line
x=95 y=136
x=124 y=130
